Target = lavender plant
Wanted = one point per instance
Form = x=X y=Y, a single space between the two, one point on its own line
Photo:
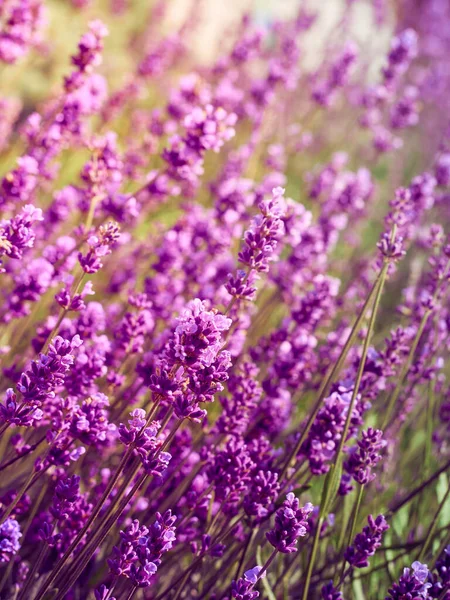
x=225 y=318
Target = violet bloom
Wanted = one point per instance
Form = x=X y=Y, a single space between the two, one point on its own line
x=39 y=383
x=242 y=589
x=261 y=239
x=365 y=456
x=403 y=50
x=412 y=584
x=16 y=234
x=9 y=539
x=329 y=592
x=198 y=335
x=139 y=553
x=99 y=246
x=22 y=21
x=19 y=184
x=291 y=522
x=324 y=91
x=366 y=543
x=262 y=492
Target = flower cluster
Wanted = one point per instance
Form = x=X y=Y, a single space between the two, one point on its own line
x=224 y=327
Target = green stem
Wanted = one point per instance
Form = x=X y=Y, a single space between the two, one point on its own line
x=352 y=527
x=362 y=362
x=336 y=369
x=312 y=558
x=329 y=489
x=419 y=489
x=404 y=372
x=433 y=525
x=407 y=365
x=248 y=543
x=62 y=561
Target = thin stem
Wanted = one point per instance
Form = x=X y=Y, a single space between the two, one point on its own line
x=36 y=506
x=312 y=558
x=266 y=566
x=248 y=543
x=60 y=564
x=85 y=555
x=419 y=489
x=407 y=365
x=131 y=594
x=17 y=499
x=335 y=370
x=433 y=525
x=19 y=456
x=352 y=527
x=198 y=560
x=362 y=362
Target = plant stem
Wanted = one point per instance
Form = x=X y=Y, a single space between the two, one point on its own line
x=419 y=489
x=248 y=543
x=335 y=370
x=433 y=525
x=352 y=527
x=312 y=558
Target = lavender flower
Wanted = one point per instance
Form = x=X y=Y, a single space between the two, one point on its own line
x=412 y=584
x=290 y=524
x=366 y=543
x=367 y=454
x=9 y=539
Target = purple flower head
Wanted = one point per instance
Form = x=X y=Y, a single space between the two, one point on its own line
x=90 y=47
x=243 y=590
x=262 y=492
x=16 y=235
x=404 y=48
x=329 y=592
x=324 y=91
x=230 y=470
x=252 y=574
x=139 y=553
x=9 y=539
x=326 y=431
x=267 y=228
x=103 y=593
x=99 y=246
x=89 y=422
x=22 y=21
x=412 y=584
x=365 y=456
x=366 y=543
x=66 y=494
x=442 y=169
x=291 y=522
x=198 y=335
x=18 y=185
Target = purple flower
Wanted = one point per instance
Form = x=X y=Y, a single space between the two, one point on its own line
x=9 y=539
x=198 y=335
x=261 y=239
x=411 y=585
x=22 y=21
x=291 y=522
x=366 y=543
x=139 y=553
x=365 y=456
x=329 y=592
